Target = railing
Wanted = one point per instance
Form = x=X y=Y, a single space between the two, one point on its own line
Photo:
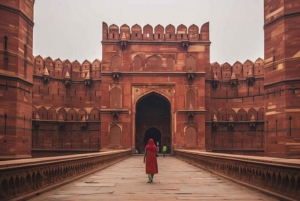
x=275 y=176
x=22 y=179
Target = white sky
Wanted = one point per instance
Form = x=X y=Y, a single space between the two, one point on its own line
x=72 y=29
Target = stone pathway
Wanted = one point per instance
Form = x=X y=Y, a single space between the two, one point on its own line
x=176 y=180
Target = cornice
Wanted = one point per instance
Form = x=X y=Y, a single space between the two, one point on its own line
x=149 y=73
x=271 y=64
x=289 y=15
x=16 y=11
x=15 y=78
x=284 y=81
x=142 y=42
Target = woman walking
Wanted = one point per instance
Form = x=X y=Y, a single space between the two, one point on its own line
x=150 y=159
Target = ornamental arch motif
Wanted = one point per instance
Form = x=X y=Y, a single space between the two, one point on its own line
x=115 y=135
x=190 y=99
x=190 y=137
x=116 y=62
x=115 y=97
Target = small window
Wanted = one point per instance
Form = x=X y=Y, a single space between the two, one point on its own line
x=5 y=42
x=113 y=35
x=147 y=35
x=170 y=36
x=136 y=35
x=181 y=36
x=158 y=36
x=72 y=117
x=193 y=36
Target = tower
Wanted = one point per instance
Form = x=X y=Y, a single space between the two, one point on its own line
x=16 y=68
x=282 y=73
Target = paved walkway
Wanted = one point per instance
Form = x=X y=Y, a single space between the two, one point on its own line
x=176 y=180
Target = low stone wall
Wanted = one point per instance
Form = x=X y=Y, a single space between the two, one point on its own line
x=22 y=179
x=275 y=176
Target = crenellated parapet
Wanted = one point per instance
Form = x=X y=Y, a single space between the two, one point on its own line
x=69 y=71
x=158 y=33
x=238 y=72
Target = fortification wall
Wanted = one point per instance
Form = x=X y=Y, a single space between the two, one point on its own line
x=237 y=106
x=65 y=104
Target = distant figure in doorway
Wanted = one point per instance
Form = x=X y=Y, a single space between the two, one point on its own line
x=150 y=159
x=164 y=150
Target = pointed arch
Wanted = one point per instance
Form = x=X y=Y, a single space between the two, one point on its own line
x=237 y=68
x=136 y=32
x=190 y=62
x=115 y=135
x=48 y=61
x=247 y=66
x=222 y=115
x=58 y=68
x=159 y=32
x=231 y=113
x=190 y=99
x=170 y=62
x=42 y=111
x=125 y=32
x=61 y=113
x=261 y=114
x=190 y=137
x=82 y=114
x=72 y=115
x=241 y=115
x=259 y=67
x=51 y=114
x=147 y=32
x=226 y=71
x=181 y=32
x=38 y=65
x=170 y=32
x=113 y=32
x=95 y=114
x=76 y=68
x=116 y=63
x=137 y=62
x=116 y=97
x=154 y=62
x=193 y=32
x=251 y=112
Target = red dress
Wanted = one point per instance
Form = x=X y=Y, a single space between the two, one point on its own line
x=151 y=161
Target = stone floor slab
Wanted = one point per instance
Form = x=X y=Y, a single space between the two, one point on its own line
x=176 y=180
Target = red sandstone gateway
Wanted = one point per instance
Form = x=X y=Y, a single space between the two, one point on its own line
x=153 y=82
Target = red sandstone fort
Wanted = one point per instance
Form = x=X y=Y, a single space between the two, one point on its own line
x=152 y=82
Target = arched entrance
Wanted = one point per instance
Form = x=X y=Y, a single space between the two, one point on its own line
x=155 y=134
x=153 y=120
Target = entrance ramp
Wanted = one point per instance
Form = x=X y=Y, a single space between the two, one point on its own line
x=176 y=180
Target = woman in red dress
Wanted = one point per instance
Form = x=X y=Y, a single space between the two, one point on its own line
x=151 y=161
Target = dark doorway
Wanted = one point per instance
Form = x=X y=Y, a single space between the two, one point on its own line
x=153 y=120
x=155 y=135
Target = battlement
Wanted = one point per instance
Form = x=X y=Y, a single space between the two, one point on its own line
x=238 y=70
x=66 y=69
x=136 y=33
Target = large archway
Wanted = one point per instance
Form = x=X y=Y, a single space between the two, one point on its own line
x=155 y=134
x=153 y=120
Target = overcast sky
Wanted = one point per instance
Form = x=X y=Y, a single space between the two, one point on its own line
x=72 y=29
